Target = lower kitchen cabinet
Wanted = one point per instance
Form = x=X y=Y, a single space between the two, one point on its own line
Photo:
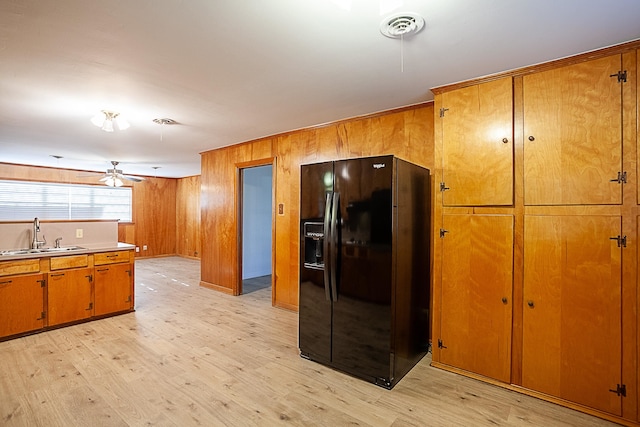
x=113 y=288
x=69 y=295
x=21 y=304
x=476 y=310
x=38 y=293
x=572 y=332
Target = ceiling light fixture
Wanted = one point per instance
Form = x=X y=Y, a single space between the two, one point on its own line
x=113 y=181
x=105 y=119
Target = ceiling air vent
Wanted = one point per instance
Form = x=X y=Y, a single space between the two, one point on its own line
x=401 y=25
x=165 y=121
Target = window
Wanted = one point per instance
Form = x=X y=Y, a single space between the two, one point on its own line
x=20 y=200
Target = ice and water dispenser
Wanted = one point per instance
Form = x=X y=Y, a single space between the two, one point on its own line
x=313 y=244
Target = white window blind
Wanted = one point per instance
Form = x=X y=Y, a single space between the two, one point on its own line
x=23 y=200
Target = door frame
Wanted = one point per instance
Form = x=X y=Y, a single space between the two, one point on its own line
x=270 y=161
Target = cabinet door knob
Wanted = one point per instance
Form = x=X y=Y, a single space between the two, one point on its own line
x=531 y=138
x=504 y=300
x=505 y=140
x=530 y=303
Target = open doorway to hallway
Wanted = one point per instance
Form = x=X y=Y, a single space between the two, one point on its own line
x=256 y=222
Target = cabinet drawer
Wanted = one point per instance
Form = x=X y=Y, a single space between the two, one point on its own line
x=110 y=257
x=19 y=267
x=74 y=261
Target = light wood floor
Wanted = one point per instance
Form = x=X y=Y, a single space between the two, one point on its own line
x=190 y=356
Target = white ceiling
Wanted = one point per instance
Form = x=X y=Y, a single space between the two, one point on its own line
x=236 y=70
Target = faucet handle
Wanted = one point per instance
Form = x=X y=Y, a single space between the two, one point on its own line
x=57 y=245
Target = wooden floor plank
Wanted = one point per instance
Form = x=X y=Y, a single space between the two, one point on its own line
x=191 y=356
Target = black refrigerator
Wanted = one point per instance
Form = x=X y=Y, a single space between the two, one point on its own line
x=364 y=266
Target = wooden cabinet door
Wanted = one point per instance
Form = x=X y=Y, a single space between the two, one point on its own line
x=69 y=295
x=21 y=304
x=573 y=134
x=572 y=336
x=477 y=282
x=113 y=288
x=477 y=144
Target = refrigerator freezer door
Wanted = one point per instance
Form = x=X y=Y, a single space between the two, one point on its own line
x=316 y=183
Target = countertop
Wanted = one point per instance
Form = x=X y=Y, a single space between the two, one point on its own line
x=89 y=248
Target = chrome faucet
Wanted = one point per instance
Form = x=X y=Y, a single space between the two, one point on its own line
x=37 y=244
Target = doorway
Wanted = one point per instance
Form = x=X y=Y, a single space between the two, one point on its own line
x=256 y=228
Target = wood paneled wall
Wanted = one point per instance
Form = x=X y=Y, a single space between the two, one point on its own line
x=154 y=205
x=188 y=217
x=154 y=214
x=407 y=133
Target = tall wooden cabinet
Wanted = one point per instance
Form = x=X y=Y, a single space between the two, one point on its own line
x=536 y=288
x=573 y=134
x=476 y=294
x=477 y=149
x=572 y=336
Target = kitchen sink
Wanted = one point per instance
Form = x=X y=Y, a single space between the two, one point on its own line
x=40 y=251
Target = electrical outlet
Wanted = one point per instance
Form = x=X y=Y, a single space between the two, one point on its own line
x=79 y=233
x=137 y=248
x=144 y=247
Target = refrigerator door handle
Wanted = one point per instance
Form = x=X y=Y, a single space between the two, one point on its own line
x=334 y=245
x=326 y=245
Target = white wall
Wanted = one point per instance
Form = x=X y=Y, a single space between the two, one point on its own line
x=19 y=234
x=256 y=222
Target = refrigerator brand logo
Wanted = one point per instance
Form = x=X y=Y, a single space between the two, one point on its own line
x=378 y=165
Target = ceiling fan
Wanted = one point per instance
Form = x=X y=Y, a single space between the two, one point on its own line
x=113 y=177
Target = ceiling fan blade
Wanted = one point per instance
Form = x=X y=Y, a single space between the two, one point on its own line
x=88 y=174
x=132 y=178
x=104 y=178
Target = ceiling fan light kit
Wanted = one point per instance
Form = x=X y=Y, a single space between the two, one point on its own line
x=113 y=182
x=105 y=120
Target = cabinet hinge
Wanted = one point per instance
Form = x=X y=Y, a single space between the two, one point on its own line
x=90 y=307
x=42 y=283
x=621 y=390
x=43 y=314
x=440 y=344
x=621 y=75
x=90 y=277
x=622 y=241
x=621 y=179
x=443 y=232
x=442 y=111
x=129 y=273
x=443 y=187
